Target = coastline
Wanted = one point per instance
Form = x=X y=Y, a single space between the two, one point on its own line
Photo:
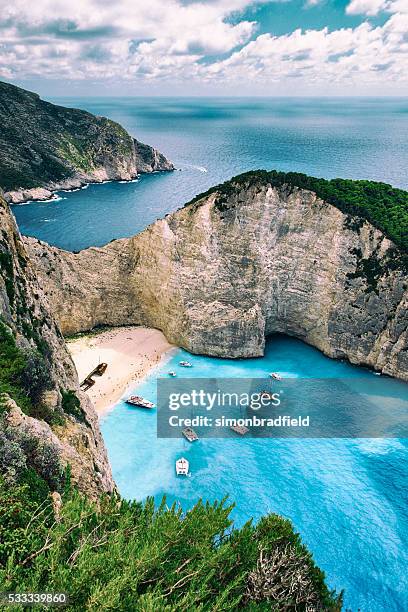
x=130 y=352
x=49 y=193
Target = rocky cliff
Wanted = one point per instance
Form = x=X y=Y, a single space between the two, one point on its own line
x=60 y=425
x=248 y=259
x=44 y=147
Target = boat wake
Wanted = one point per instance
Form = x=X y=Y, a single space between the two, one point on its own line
x=194 y=167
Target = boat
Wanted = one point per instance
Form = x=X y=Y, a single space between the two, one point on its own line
x=186 y=364
x=182 y=467
x=99 y=370
x=275 y=375
x=190 y=434
x=240 y=429
x=172 y=373
x=140 y=402
x=87 y=383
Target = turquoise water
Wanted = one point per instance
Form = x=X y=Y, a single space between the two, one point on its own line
x=211 y=140
x=347 y=498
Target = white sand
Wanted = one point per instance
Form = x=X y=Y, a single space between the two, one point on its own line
x=130 y=353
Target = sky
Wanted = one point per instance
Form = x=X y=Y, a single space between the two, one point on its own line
x=206 y=47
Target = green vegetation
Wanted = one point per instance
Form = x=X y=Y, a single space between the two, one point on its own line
x=7 y=271
x=132 y=556
x=12 y=366
x=384 y=206
x=24 y=376
x=41 y=143
x=71 y=404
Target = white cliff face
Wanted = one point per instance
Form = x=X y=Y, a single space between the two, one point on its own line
x=218 y=278
x=25 y=311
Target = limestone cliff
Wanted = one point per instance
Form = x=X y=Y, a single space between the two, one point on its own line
x=44 y=147
x=75 y=439
x=238 y=264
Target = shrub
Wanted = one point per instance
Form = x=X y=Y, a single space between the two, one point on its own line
x=12 y=365
x=12 y=458
x=36 y=376
x=71 y=405
x=131 y=556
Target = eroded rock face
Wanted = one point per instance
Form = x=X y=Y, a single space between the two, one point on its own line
x=25 y=311
x=218 y=277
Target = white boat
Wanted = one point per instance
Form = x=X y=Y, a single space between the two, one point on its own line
x=172 y=373
x=140 y=402
x=182 y=467
x=186 y=364
x=275 y=375
x=189 y=434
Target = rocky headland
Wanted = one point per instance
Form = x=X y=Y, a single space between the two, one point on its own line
x=257 y=255
x=44 y=148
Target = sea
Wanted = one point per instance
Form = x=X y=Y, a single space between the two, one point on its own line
x=348 y=498
x=210 y=140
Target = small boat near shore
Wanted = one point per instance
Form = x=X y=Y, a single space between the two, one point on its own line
x=139 y=402
x=186 y=364
x=275 y=375
x=189 y=434
x=173 y=374
x=182 y=467
x=239 y=429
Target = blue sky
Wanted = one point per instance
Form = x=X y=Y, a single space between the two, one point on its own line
x=207 y=47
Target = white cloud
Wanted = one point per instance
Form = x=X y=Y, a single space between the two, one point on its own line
x=365 y=7
x=50 y=29
x=175 y=41
x=373 y=7
x=350 y=56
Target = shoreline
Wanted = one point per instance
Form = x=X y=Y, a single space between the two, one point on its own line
x=49 y=193
x=131 y=353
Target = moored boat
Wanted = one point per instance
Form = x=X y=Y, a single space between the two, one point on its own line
x=275 y=375
x=182 y=467
x=190 y=434
x=140 y=402
x=240 y=429
x=172 y=373
x=186 y=364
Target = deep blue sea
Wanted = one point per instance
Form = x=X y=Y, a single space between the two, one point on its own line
x=347 y=498
x=211 y=140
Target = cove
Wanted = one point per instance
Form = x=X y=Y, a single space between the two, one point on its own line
x=347 y=498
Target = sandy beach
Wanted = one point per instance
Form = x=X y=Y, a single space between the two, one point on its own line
x=130 y=353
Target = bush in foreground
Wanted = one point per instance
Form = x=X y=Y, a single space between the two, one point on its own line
x=132 y=556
